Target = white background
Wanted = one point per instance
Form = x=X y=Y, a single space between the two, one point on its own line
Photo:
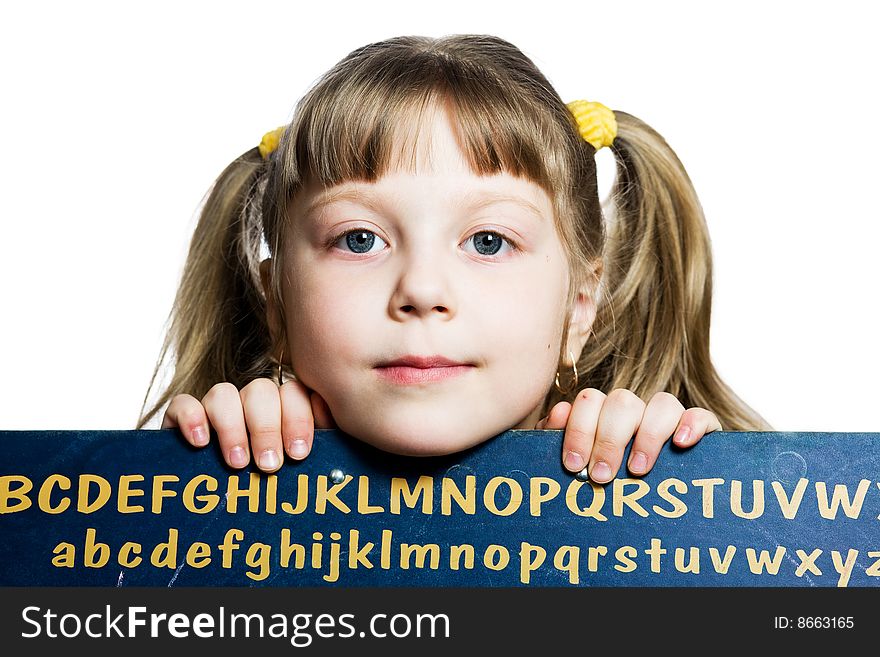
x=117 y=117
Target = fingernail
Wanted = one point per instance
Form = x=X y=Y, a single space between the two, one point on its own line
x=683 y=435
x=638 y=462
x=200 y=436
x=299 y=449
x=574 y=461
x=238 y=458
x=268 y=460
x=600 y=472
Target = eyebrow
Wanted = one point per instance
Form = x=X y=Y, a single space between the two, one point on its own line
x=475 y=200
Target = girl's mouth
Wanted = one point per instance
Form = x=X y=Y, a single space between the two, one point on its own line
x=407 y=375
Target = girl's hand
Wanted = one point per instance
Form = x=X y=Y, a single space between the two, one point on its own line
x=599 y=426
x=279 y=420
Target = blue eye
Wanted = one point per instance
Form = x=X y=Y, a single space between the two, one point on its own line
x=358 y=240
x=489 y=243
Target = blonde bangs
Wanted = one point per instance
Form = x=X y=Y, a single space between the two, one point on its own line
x=366 y=123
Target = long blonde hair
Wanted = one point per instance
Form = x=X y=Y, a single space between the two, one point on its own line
x=648 y=265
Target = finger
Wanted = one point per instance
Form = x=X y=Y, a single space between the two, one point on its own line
x=580 y=431
x=223 y=405
x=297 y=419
x=323 y=417
x=187 y=413
x=693 y=425
x=261 y=403
x=557 y=418
x=620 y=417
x=658 y=423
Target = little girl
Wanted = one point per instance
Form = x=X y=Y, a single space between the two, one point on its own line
x=440 y=271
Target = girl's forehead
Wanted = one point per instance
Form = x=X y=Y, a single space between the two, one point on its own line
x=427 y=143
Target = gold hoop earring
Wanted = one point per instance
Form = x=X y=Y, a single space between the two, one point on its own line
x=576 y=380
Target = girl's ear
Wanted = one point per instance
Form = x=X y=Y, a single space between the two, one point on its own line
x=583 y=313
x=273 y=314
x=579 y=329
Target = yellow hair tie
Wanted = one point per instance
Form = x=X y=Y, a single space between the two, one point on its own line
x=270 y=141
x=596 y=123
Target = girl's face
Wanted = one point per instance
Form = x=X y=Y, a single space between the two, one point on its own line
x=438 y=262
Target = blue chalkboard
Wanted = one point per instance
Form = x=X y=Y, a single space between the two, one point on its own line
x=738 y=509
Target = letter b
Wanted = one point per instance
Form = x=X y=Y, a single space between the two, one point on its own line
x=92 y=548
x=19 y=494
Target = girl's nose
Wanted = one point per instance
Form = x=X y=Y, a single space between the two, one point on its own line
x=423 y=289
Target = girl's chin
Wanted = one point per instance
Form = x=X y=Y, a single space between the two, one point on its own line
x=433 y=441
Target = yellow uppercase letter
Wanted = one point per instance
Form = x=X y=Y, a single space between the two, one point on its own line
x=160 y=492
x=450 y=491
x=19 y=493
x=364 y=506
x=708 y=486
x=126 y=492
x=679 y=508
x=45 y=495
x=252 y=492
x=489 y=496
x=595 y=508
x=83 y=504
x=424 y=488
x=537 y=497
x=621 y=498
x=327 y=493
x=736 y=495
x=207 y=502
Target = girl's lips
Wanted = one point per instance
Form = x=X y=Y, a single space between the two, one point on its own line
x=403 y=375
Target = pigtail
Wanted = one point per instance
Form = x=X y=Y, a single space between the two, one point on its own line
x=652 y=326
x=218 y=330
